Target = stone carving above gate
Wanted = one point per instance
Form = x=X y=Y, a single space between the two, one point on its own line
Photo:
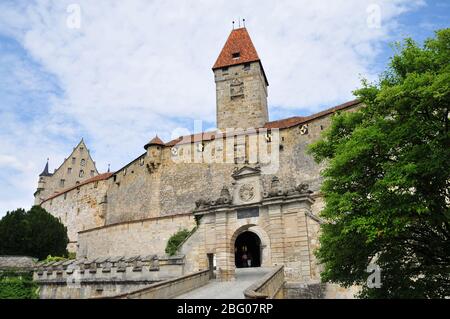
x=246 y=192
x=276 y=190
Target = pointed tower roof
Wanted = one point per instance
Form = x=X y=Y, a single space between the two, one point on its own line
x=238 y=49
x=154 y=141
x=45 y=172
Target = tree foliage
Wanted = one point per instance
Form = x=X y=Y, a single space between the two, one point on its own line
x=386 y=185
x=34 y=233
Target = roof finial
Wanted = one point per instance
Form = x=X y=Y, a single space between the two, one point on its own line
x=109 y=168
x=233 y=24
x=243 y=21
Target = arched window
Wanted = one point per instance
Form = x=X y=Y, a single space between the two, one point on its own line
x=81 y=173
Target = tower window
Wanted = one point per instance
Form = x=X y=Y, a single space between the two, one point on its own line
x=69 y=170
x=61 y=183
x=236 y=55
x=225 y=70
x=246 y=66
x=81 y=173
x=92 y=173
x=73 y=160
x=83 y=162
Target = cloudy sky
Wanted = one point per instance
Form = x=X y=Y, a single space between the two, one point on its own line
x=126 y=70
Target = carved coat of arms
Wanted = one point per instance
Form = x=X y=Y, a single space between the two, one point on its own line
x=247 y=192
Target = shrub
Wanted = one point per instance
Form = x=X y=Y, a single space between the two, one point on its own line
x=175 y=240
x=17 y=285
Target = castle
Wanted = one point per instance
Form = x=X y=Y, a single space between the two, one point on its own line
x=247 y=188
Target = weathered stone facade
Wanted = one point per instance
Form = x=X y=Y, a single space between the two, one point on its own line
x=76 y=168
x=259 y=181
x=241 y=93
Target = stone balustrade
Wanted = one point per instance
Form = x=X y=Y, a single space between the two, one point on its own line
x=269 y=287
x=88 y=278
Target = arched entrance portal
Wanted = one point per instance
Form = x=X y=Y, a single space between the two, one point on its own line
x=247 y=250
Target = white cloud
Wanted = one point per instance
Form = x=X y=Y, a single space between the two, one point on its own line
x=135 y=67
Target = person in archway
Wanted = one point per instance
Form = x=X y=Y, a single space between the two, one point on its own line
x=249 y=260
x=244 y=259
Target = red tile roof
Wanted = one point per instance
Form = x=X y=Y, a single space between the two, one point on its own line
x=296 y=120
x=238 y=42
x=100 y=177
x=279 y=124
x=154 y=141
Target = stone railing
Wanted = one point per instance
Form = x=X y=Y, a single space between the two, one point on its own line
x=168 y=289
x=19 y=263
x=104 y=276
x=268 y=287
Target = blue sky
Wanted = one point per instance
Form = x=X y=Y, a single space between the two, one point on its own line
x=135 y=68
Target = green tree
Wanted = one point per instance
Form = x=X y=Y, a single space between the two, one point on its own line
x=34 y=233
x=386 y=185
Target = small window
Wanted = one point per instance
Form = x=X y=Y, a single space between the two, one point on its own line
x=225 y=70
x=65 y=195
x=83 y=162
x=69 y=170
x=81 y=173
x=236 y=55
x=141 y=161
x=61 y=183
x=96 y=184
x=246 y=66
x=74 y=160
x=81 y=149
x=92 y=173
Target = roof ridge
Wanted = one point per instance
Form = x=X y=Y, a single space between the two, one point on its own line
x=99 y=177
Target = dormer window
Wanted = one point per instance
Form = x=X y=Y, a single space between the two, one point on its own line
x=236 y=55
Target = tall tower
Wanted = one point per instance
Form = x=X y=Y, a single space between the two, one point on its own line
x=241 y=84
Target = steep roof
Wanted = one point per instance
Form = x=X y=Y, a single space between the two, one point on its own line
x=45 y=172
x=154 y=141
x=100 y=177
x=238 y=49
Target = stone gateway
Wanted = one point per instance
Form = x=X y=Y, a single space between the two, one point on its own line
x=248 y=191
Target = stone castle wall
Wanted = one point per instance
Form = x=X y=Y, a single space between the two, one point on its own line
x=144 y=191
x=80 y=209
x=143 y=237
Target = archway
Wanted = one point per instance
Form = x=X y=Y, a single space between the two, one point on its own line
x=247 y=250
